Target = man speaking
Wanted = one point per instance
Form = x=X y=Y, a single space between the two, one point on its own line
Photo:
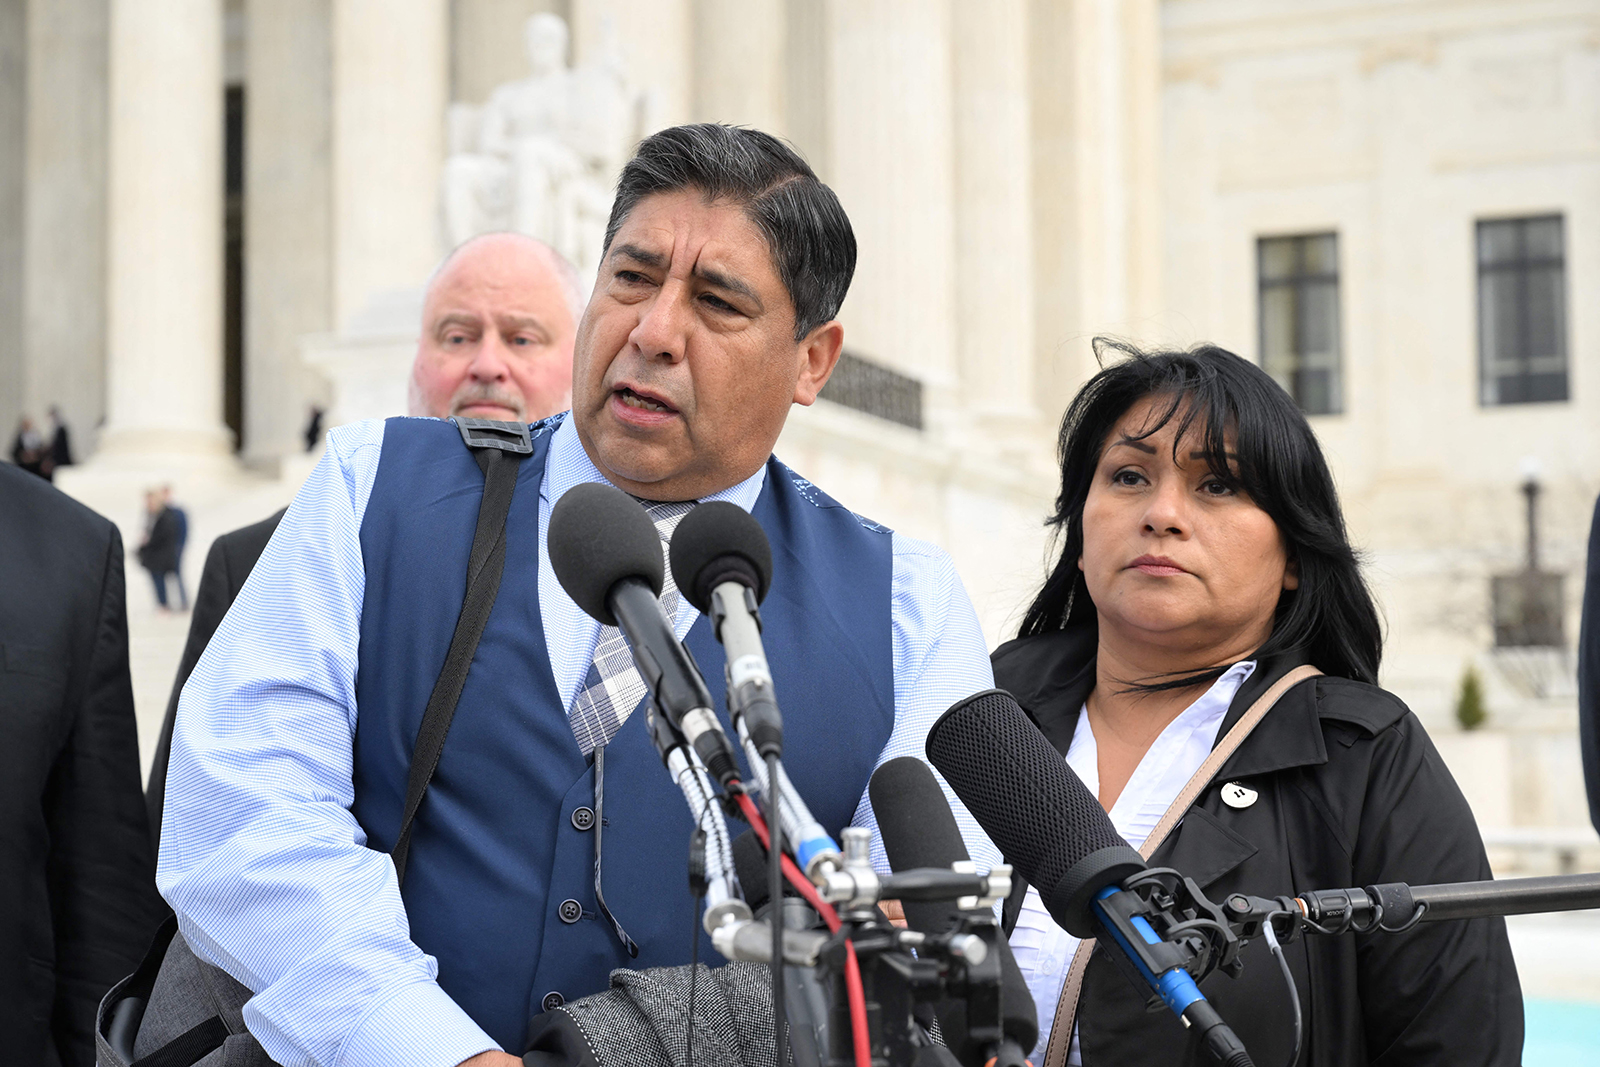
x=724 y=266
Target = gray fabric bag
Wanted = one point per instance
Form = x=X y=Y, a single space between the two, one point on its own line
x=186 y=1006
x=643 y=1021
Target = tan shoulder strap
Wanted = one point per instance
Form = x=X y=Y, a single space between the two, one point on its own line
x=1067 y=1008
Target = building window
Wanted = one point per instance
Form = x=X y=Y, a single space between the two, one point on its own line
x=1299 y=279
x=1522 y=315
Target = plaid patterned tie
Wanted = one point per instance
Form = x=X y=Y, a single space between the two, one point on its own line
x=614 y=688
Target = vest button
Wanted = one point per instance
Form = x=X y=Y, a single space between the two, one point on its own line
x=570 y=911
x=552 y=1001
x=583 y=819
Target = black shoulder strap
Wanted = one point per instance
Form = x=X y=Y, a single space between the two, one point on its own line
x=497 y=446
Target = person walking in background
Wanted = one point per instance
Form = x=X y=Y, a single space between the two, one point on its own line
x=181 y=518
x=28 y=449
x=77 y=892
x=158 y=554
x=313 y=430
x=60 y=441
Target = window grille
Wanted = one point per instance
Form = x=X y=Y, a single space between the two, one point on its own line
x=1522 y=331
x=1299 y=289
x=1527 y=610
x=870 y=387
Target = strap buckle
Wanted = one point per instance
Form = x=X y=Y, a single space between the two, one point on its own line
x=489 y=433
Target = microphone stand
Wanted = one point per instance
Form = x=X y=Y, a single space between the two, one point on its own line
x=961 y=964
x=723 y=904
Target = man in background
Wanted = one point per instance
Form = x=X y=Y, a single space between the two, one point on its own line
x=498 y=320
x=77 y=891
x=60 y=440
x=162 y=546
x=29 y=450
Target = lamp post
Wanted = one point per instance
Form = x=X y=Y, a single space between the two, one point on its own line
x=1531 y=489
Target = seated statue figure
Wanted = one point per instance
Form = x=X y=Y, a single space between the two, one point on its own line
x=541 y=154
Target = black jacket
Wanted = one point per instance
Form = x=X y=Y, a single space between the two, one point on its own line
x=159 y=553
x=77 y=893
x=229 y=562
x=1351 y=793
x=1589 y=672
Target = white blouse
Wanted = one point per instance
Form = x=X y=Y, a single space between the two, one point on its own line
x=1043 y=949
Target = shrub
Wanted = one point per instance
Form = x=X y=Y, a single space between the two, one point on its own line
x=1470 y=712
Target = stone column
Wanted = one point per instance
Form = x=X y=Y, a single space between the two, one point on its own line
x=654 y=40
x=390 y=86
x=1096 y=80
x=889 y=159
x=13 y=178
x=288 y=227
x=808 y=83
x=164 y=337
x=740 y=68
x=994 y=207
x=63 y=325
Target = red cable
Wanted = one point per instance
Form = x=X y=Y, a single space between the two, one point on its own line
x=852 y=966
x=858 y=1005
x=791 y=871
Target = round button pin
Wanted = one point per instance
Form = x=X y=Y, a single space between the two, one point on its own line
x=553 y=1000
x=583 y=819
x=570 y=911
x=1238 y=795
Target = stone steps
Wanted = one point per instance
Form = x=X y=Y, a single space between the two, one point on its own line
x=217 y=500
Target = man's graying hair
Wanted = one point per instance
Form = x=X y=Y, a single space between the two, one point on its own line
x=807 y=231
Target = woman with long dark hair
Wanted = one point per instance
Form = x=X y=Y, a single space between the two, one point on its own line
x=1204 y=561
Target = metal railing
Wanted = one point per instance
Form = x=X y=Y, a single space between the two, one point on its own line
x=862 y=385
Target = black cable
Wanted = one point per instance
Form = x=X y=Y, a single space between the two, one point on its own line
x=698 y=884
x=1288 y=978
x=599 y=831
x=1416 y=917
x=780 y=1022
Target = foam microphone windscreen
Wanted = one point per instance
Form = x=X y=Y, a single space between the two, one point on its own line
x=1040 y=814
x=718 y=542
x=600 y=535
x=919 y=830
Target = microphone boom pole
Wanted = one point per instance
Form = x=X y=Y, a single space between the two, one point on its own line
x=1337 y=911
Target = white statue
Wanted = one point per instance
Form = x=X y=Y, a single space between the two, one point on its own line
x=542 y=155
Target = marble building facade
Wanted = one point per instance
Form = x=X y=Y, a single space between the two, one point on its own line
x=1022 y=175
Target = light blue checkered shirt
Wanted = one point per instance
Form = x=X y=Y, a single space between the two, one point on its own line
x=260 y=856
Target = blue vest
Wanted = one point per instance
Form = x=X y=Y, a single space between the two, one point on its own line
x=495 y=850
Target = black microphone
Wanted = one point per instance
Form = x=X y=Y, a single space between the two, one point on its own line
x=607 y=555
x=722 y=563
x=919 y=830
x=1020 y=789
x=723 y=566
x=1056 y=834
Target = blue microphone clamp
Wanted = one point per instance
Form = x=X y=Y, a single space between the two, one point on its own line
x=1171 y=937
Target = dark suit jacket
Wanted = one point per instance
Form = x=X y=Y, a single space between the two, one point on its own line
x=228 y=564
x=1589 y=672
x=77 y=880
